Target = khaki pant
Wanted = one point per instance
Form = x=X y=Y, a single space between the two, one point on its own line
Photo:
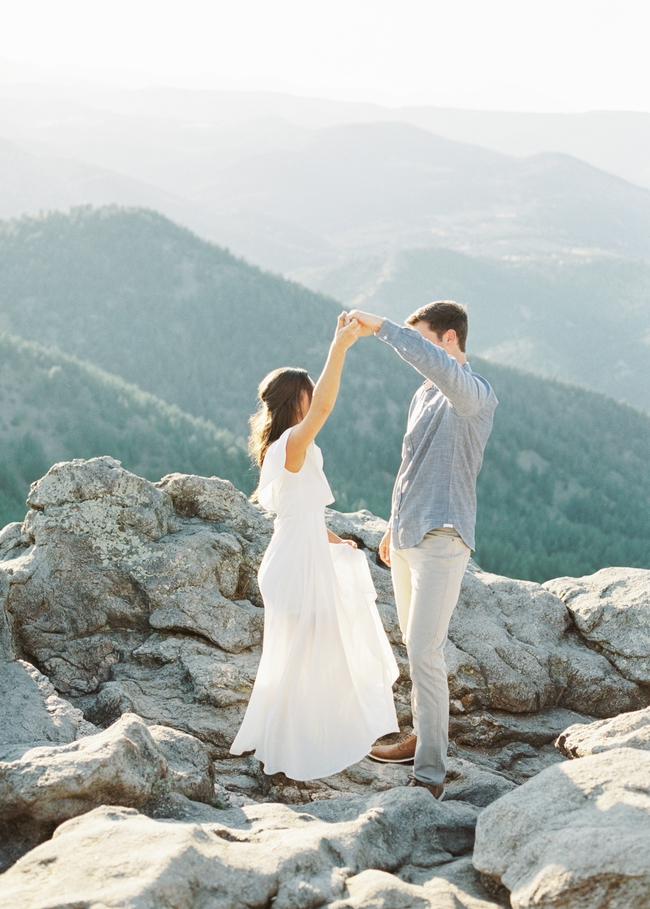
x=427 y=580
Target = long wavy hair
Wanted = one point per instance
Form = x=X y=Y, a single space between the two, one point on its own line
x=280 y=394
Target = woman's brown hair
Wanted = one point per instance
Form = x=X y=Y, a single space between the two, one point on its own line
x=280 y=395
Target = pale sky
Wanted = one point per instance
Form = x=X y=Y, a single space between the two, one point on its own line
x=571 y=55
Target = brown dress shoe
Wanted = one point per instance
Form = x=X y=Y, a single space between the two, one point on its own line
x=401 y=752
x=438 y=792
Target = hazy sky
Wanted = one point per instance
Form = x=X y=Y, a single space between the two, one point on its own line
x=490 y=54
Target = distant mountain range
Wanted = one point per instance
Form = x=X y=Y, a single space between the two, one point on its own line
x=369 y=187
x=265 y=177
x=565 y=488
x=114 y=119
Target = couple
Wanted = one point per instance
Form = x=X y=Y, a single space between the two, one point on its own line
x=323 y=692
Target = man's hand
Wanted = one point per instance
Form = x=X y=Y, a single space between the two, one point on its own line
x=369 y=323
x=384 y=548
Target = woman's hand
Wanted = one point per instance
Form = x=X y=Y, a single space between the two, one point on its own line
x=347 y=331
x=332 y=537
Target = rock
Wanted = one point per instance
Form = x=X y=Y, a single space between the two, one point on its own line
x=181 y=682
x=467 y=782
x=69 y=720
x=450 y=886
x=111 y=572
x=216 y=501
x=629 y=730
x=127 y=764
x=24 y=714
x=518 y=653
x=494 y=729
x=10 y=538
x=576 y=835
x=611 y=610
x=7 y=648
x=257 y=855
x=139 y=597
x=231 y=626
x=361 y=526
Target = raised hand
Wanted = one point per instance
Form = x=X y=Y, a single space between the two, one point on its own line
x=347 y=331
x=369 y=323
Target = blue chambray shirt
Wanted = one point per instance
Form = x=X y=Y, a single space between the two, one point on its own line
x=449 y=422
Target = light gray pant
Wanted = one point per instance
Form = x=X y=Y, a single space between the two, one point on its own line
x=427 y=580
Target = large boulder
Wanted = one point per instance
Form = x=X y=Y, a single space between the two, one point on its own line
x=577 y=835
x=110 y=584
x=629 y=730
x=126 y=764
x=611 y=610
x=255 y=856
x=513 y=648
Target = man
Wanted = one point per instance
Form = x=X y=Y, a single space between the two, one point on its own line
x=431 y=531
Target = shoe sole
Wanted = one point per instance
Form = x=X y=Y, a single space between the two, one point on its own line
x=382 y=760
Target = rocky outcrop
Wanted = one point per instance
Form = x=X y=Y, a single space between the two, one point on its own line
x=130 y=633
x=137 y=597
x=577 y=835
x=629 y=730
x=256 y=856
x=127 y=764
x=611 y=610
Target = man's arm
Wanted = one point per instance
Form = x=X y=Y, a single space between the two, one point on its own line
x=466 y=393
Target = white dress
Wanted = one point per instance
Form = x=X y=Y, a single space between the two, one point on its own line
x=323 y=691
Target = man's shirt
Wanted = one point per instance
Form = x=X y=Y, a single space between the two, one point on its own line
x=450 y=420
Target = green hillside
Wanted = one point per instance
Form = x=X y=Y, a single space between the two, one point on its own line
x=55 y=408
x=565 y=487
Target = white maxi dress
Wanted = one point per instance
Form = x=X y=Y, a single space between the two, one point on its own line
x=323 y=691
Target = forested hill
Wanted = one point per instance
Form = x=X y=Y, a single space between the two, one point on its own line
x=55 y=408
x=565 y=487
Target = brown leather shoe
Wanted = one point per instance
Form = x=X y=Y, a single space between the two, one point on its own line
x=438 y=792
x=401 y=752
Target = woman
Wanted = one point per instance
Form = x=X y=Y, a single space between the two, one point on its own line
x=323 y=691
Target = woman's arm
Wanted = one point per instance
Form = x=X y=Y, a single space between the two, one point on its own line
x=324 y=396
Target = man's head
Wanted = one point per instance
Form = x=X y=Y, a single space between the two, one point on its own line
x=443 y=317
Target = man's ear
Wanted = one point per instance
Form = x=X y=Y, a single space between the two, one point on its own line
x=449 y=336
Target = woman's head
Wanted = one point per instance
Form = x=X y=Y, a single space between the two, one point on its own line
x=283 y=394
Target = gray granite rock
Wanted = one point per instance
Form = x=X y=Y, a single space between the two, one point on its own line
x=611 y=610
x=24 y=714
x=577 y=835
x=629 y=730
x=516 y=651
x=258 y=855
x=110 y=572
x=7 y=648
x=126 y=764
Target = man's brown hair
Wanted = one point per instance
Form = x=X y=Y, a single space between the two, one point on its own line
x=441 y=317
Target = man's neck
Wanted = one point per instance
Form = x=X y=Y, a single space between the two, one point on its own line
x=458 y=354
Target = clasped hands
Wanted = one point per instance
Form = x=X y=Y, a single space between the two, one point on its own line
x=368 y=322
